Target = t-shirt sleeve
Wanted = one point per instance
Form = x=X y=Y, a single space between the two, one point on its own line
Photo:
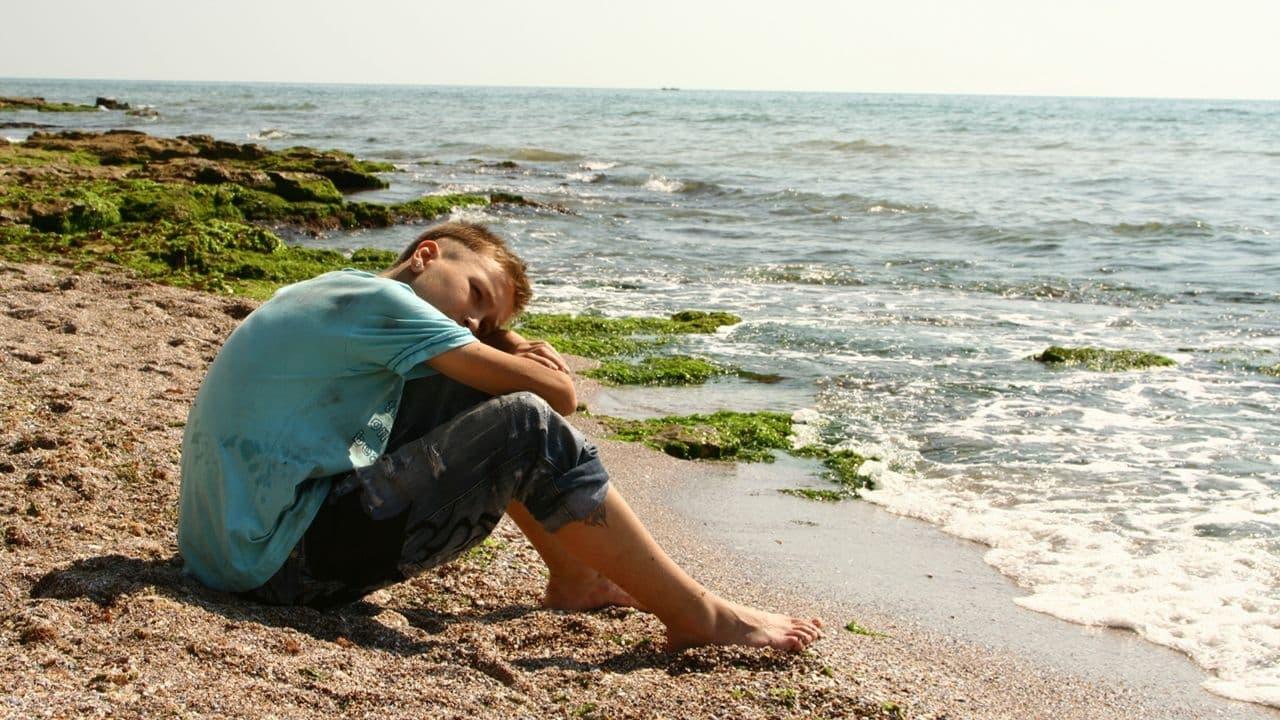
x=399 y=331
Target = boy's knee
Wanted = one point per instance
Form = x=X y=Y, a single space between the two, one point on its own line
x=528 y=407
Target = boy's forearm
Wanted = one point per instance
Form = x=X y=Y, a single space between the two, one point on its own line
x=505 y=340
x=489 y=370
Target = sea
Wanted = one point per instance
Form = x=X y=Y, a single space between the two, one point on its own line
x=898 y=259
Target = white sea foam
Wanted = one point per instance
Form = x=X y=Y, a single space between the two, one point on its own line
x=658 y=183
x=269 y=134
x=586 y=177
x=597 y=165
x=1132 y=542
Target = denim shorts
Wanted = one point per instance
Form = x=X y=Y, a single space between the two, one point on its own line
x=455 y=459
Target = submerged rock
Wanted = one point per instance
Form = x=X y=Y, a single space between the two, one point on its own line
x=111 y=103
x=1102 y=360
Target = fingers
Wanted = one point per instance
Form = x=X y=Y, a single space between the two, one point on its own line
x=541 y=361
x=545 y=353
x=543 y=349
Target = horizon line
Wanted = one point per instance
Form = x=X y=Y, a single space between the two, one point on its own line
x=939 y=93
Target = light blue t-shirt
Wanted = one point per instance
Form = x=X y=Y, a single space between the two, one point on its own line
x=306 y=387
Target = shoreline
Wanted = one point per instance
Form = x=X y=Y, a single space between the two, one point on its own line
x=930 y=593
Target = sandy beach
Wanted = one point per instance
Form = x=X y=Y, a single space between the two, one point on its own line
x=96 y=375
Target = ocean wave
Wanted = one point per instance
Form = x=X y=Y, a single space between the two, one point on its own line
x=270 y=134
x=533 y=154
x=851 y=147
x=658 y=183
x=803 y=274
x=750 y=117
x=597 y=165
x=279 y=107
x=1184 y=228
x=1061 y=290
x=1096 y=494
x=800 y=202
x=585 y=177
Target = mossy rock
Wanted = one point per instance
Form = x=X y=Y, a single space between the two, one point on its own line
x=305 y=187
x=77 y=211
x=704 y=322
x=1102 y=360
x=601 y=337
x=660 y=370
x=723 y=435
x=842 y=467
x=669 y=370
x=214 y=255
x=39 y=104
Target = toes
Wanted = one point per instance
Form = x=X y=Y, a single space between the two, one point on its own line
x=810 y=631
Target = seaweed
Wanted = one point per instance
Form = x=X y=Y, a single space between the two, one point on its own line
x=723 y=435
x=1100 y=359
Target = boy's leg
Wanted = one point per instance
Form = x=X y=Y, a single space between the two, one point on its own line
x=445 y=491
x=613 y=540
x=430 y=402
x=571 y=585
x=523 y=451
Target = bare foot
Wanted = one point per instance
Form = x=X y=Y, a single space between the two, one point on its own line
x=586 y=591
x=734 y=624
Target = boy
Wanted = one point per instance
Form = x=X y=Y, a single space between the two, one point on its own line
x=353 y=430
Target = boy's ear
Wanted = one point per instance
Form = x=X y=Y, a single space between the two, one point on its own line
x=427 y=251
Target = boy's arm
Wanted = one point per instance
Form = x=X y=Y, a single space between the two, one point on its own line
x=511 y=342
x=496 y=372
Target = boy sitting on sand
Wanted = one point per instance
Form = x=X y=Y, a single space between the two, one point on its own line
x=353 y=431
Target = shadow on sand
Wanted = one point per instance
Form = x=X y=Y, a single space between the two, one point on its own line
x=105 y=579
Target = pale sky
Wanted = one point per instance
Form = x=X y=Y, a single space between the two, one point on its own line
x=1147 y=48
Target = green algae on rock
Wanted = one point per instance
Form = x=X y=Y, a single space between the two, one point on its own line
x=746 y=437
x=670 y=370
x=658 y=370
x=600 y=337
x=215 y=255
x=723 y=435
x=39 y=104
x=188 y=210
x=842 y=468
x=1102 y=360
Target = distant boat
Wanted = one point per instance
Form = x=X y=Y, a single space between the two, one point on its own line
x=670 y=89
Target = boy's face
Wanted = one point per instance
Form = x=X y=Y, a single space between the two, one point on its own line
x=471 y=289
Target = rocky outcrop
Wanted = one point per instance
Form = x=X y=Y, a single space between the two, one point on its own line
x=39 y=104
x=205 y=159
x=115 y=147
x=111 y=103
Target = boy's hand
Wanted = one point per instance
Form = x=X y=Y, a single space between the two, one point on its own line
x=542 y=352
